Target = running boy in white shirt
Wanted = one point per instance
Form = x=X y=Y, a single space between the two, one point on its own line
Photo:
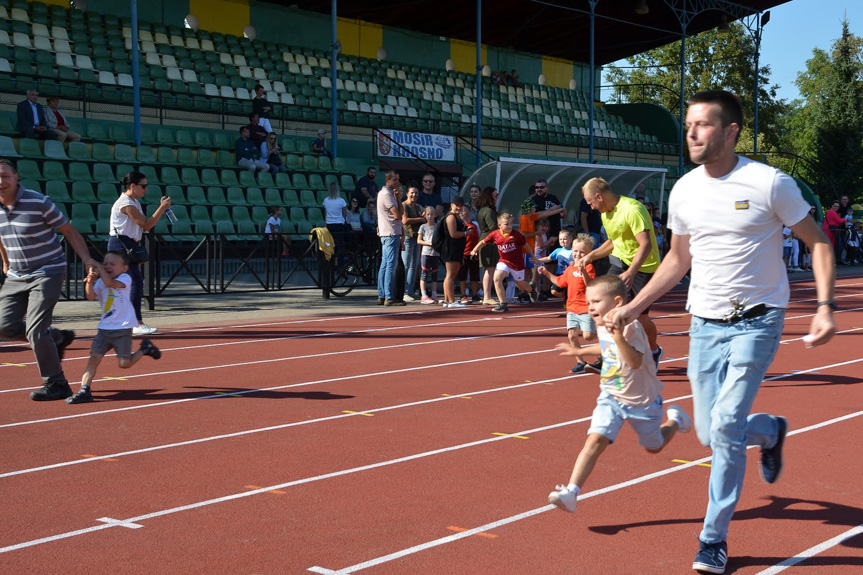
x=110 y=283
x=630 y=390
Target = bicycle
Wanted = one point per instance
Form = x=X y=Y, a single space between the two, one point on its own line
x=351 y=268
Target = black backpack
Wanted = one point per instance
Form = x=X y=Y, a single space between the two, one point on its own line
x=440 y=234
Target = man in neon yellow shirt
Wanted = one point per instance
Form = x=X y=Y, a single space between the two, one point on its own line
x=631 y=247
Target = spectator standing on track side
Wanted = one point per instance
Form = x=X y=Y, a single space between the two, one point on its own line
x=574 y=280
x=631 y=247
x=428 y=196
x=473 y=203
x=412 y=219
x=453 y=251
x=248 y=153
x=545 y=201
x=430 y=259
x=35 y=266
x=725 y=217
x=486 y=217
x=336 y=213
x=389 y=210
x=469 y=265
x=630 y=390
x=111 y=285
x=367 y=188
x=128 y=224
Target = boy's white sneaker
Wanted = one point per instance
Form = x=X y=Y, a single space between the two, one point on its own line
x=426 y=300
x=682 y=418
x=563 y=498
x=143 y=329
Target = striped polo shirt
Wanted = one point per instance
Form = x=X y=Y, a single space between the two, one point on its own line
x=29 y=236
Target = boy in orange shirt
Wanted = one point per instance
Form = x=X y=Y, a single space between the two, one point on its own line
x=576 y=279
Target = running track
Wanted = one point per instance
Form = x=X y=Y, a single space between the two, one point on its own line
x=420 y=441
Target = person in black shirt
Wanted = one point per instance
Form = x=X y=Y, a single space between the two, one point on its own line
x=262 y=108
x=545 y=201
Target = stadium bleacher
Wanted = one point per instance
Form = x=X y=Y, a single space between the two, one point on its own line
x=79 y=55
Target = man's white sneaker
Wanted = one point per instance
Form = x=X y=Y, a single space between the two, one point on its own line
x=408 y=297
x=457 y=304
x=682 y=418
x=143 y=329
x=563 y=498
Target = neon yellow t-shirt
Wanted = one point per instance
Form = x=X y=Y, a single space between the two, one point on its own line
x=628 y=218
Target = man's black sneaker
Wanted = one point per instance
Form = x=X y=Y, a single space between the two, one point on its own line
x=771 y=459
x=595 y=367
x=148 y=348
x=711 y=557
x=657 y=355
x=83 y=396
x=381 y=301
x=394 y=302
x=67 y=336
x=500 y=308
x=52 y=391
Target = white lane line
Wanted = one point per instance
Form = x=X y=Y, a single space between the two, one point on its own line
x=360 y=332
x=527 y=514
x=811 y=552
x=288 y=425
x=235 y=496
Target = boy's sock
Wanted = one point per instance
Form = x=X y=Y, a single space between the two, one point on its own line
x=424 y=293
x=573 y=488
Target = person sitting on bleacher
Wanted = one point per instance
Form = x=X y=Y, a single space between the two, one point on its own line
x=256 y=132
x=271 y=153
x=261 y=107
x=56 y=121
x=319 y=146
x=31 y=118
x=248 y=153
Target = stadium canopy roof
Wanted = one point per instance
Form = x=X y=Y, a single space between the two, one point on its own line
x=558 y=28
x=513 y=176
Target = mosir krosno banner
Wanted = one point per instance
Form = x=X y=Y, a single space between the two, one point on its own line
x=397 y=144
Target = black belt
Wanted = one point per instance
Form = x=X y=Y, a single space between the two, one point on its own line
x=753 y=312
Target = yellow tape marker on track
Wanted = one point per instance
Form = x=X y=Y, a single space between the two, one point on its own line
x=460 y=529
x=511 y=435
x=116 y=378
x=90 y=455
x=15 y=364
x=359 y=413
x=684 y=461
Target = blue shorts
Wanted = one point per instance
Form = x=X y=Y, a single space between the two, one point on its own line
x=581 y=321
x=609 y=415
x=787 y=251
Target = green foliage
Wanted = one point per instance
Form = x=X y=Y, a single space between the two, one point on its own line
x=714 y=60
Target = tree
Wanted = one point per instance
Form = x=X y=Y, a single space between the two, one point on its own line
x=714 y=60
x=827 y=125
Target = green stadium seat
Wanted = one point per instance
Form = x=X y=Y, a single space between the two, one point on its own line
x=247 y=179
x=216 y=196
x=7 y=148
x=57 y=191
x=300 y=182
x=325 y=165
x=165 y=136
x=210 y=177
x=265 y=180
x=229 y=178
x=102 y=152
x=182 y=231
x=123 y=153
x=96 y=130
x=204 y=227
x=186 y=157
x=83 y=213
x=196 y=197
x=29 y=148
x=308 y=199
x=146 y=155
x=260 y=215
x=107 y=193
x=122 y=169
x=150 y=172
x=283 y=180
x=291 y=199
x=293 y=163
x=221 y=214
x=50 y=170
x=222 y=140
x=297 y=215
x=118 y=133
x=310 y=163
x=272 y=197
x=224 y=159
x=226 y=229
x=347 y=182
x=255 y=197
x=205 y=157
x=165 y=155
x=177 y=195
x=316 y=216
x=78 y=172
x=170 y=176
x=247 y=229
x=54 y=150
x=203 y=139
x=240 y=214
x=83 y=192
x=235 y=197
x=189 y=177
x=103 y=173
x=103 y=216
x=181 y=211
x=184 y=138
x=316 y=182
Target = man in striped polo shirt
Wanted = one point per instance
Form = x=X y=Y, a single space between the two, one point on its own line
x=35 y=266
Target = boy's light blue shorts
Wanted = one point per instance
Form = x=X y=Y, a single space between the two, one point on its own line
x=609 y=415
x=581 y=321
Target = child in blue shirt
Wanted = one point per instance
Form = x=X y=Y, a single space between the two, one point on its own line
x=563 y=257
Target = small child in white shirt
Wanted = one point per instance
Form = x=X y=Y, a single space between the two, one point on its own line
x=273 y=229
x=629 y=389
x=429 y=258
x=110 y=283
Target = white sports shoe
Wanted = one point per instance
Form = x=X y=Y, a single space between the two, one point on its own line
x=682 y=418
x=563 y=498
x=456 y=304
x=408 y=297
x=143 y=329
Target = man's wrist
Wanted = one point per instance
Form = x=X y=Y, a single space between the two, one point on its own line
x=829 y=303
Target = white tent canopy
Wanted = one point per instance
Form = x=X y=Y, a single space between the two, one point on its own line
x=513 y=176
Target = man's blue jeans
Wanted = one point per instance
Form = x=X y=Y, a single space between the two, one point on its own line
x=387 y=272
x=727 y=363
x=411 y=259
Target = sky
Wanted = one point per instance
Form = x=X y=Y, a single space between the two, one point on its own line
x=796 y=28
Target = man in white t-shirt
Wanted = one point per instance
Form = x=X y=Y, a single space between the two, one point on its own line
x=726 y=219
x=390 y=211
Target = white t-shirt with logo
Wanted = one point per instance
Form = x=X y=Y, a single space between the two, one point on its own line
x=628 y=386
x=734 y=224
x=116 y=303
